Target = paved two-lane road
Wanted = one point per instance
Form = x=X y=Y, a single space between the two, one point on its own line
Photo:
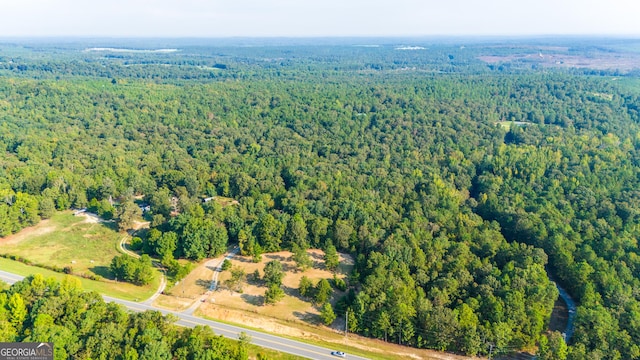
x=10 y=278
x=230 y=331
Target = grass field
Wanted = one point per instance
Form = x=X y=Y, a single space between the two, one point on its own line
x=83 y=243
x=67 y=240
x=224 y=201
x=119 y=290
x=254 y=350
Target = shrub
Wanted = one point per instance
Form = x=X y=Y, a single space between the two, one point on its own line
x=273 y=294
x=136 y=244
x=226 y=265
x=339 y=283
x=327 y=314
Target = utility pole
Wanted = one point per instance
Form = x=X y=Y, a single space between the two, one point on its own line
x=346 y=324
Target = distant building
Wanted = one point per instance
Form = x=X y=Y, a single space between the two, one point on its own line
x=209 y=199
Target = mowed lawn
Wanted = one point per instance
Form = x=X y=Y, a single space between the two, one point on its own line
x=67 y=240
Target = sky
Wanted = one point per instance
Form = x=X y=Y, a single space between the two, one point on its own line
x=312 y=18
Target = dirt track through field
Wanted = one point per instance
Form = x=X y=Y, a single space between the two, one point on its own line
x=41 y=228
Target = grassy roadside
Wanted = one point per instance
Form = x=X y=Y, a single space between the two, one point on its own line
x=118 y=290
x=254 y=350
x=329 y=345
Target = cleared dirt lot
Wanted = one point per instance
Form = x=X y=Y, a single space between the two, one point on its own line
x=292 y=308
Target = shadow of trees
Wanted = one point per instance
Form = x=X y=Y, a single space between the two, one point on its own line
x=276 y=257
x=203 y=283
x=244 y=259
x=308 y=317
x=102 y=271
x=256 y=300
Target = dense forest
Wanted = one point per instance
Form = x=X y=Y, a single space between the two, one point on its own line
x=456 y=185
x=82 y=326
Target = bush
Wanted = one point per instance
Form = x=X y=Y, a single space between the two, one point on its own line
x=226 y=265
x=273 y=273
x=323 y=292
x=273 y=294
x=136 y=244
x=256 y=277
x=339 y=283
x=327 y=314
x=238 y=278
x=306 y=287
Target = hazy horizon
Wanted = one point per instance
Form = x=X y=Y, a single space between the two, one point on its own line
x=330 y=18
